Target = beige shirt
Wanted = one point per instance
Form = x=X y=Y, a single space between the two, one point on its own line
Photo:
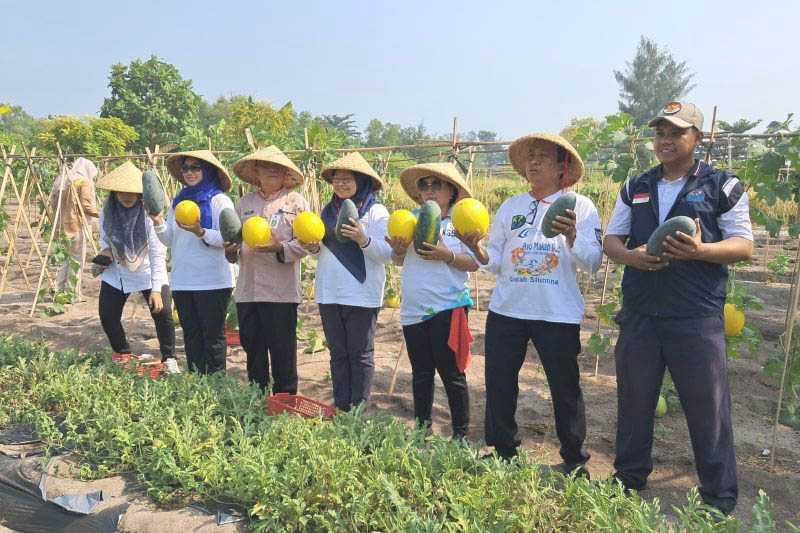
x=69 y=217
x=269 y=277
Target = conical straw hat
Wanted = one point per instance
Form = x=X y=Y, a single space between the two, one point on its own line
x=444 y=171
x=353 y=162
x=125 y=178
x=175 y=161
x=518 y=155
x=245 y=167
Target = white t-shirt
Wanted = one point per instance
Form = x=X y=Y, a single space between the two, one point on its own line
x=733 y=223
x=334 y=284
x=152 y=272
x=198 y=264
x=535 y=275
x=430 y=287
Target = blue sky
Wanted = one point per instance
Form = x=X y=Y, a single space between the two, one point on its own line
x=510 y=67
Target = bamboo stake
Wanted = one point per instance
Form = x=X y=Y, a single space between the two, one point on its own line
x=7 y=172
x=713 y=135
x=21 y=214
x=396 y=367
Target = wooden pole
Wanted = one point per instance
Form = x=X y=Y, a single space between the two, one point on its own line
x=396 y=367
x=713 y=135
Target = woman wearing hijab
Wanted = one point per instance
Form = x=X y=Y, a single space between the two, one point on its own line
x=202 y=280
x=435 y=298
x=268 y=287
x=74 y=190
x=137 y=263
x=351 y=276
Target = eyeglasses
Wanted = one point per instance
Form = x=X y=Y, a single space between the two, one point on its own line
x=434 y=185
x=343 y=181
x=191 y=168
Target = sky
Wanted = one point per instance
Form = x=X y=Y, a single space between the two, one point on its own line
x=508 y=67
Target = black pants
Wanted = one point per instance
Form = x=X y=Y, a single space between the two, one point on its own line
x=203 y=320
x=694 y=351
x=268 y=334
x=350 y=333
x=558 y=346
x=110 y=305
x=429 y=353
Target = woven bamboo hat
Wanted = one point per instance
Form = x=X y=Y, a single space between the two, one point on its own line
x=518 y=155
x=353 y=162
x=125 y=178
x=245 y=167
x=444 y=171
x=175 y=161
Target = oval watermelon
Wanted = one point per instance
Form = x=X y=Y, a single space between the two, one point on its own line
x=655 y=244
x=557 y=209
x=153 y=196
x=429 y=220
x=230 y=226
x=346 y=212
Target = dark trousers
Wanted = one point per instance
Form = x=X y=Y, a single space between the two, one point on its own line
x=203 y=320
x=429 y=353
x=268 y=333
x=110 y=305
x=350 y=333
x=558 y=346
x=693 y=349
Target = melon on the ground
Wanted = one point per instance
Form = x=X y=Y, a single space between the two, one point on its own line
x=558 y=209
x=346 y=212
x=429 y=221
x=470 y=216
x=655 y=244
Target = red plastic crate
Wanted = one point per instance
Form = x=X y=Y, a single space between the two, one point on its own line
x=232 y=337
x=283 y=402
x=150 y=370
x=121 y=358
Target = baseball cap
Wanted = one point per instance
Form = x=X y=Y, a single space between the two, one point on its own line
x=683 y=115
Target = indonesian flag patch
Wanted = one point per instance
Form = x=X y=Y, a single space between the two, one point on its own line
x=641 y=197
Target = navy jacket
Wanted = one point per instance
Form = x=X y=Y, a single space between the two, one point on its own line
x=685 y=288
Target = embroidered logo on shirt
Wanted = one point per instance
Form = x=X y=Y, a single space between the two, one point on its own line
x=641 y=198
x=517 y=221
x=696 y=196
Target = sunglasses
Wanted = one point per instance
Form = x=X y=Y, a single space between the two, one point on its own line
x=434 y=185
x=191 y=168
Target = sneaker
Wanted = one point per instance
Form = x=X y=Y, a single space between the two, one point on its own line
x=171 y=366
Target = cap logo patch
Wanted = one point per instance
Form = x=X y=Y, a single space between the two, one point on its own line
x=672 y=108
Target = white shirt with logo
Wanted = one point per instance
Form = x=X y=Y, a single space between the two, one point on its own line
x=536 y=275
x=430 y=287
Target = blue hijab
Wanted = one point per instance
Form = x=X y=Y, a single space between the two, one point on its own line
x=202 y=193
x=349 y=253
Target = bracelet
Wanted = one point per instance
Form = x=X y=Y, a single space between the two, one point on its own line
x=369 y=241
x=453 y=259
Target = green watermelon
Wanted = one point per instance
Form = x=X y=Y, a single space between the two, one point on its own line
x=557 y=209
x=153 y=196
x=655 y=244
x=230 y=226
x=346 y=212
x=429 y=221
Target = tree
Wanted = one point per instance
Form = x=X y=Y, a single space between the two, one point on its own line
x=740 y=126
x=92 y=135
x=344 y=123
x=152 y=97
x=652 y=79
x=17 y=126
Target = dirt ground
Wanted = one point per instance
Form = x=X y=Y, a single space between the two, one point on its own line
x=754 y=399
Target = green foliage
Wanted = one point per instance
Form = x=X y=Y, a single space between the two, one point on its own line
x=90 y=135
x=16 y=126
x=207 y=439
x=750 y=337
x=650 y=81
x=154 y=99
x=779 y=264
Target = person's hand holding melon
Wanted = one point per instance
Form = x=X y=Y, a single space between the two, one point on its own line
x=187 y=216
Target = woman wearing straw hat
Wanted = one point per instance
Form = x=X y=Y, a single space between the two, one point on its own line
x=268 y=287
x=202 y=279
x=435 y=298
x=536 y=297
x=137 y=263
x=351 y=276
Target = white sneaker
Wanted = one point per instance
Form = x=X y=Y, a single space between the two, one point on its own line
x=145 y=357
x=171 y=366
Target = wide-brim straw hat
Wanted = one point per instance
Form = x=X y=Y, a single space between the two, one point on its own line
x=518 y=155
x=175 y=161
x=444 y=171
x=245 y=167
x=125 y=178
x=354 y=162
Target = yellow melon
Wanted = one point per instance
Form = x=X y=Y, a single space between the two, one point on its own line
x=256 y=232
x=308 y=227
x=734 y=320
x=402 y=223
x=469 y=216
x=187 y=212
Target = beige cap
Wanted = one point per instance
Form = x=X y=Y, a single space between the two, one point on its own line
x=444 y=171
x=244 y=167
x=683 y=115
x=125 y=178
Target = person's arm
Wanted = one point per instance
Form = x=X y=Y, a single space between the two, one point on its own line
x=496 y=244
x=685 y=248
x=586 y=248
x=157 y=254
x=399 y=248
x=88 y=199
x=376 y=248
x=212 y=236
x=617 y=235
x=292 y=250
x=456 y=259
x=165 y=229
